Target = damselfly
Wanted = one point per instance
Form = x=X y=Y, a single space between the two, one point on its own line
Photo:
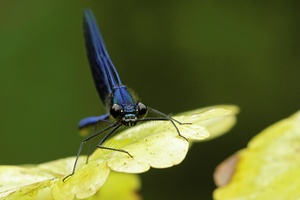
x=123 y=109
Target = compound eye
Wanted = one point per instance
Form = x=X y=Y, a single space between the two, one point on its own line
x=115 y=110
x=141 y=110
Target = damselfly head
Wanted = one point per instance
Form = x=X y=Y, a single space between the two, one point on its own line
x=128 y=115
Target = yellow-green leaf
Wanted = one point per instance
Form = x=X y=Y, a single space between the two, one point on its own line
x=119 y=186
x=151 y=144
x=157 y=144
x=269 y=167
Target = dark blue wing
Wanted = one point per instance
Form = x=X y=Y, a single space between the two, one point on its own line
x=103 y=70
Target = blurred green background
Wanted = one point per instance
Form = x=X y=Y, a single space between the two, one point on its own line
x=177 y=56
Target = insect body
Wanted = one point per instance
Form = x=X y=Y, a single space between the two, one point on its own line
x=113 y=94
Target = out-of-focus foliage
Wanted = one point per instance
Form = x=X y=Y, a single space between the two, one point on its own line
x=269 y=167
x=43 y=182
